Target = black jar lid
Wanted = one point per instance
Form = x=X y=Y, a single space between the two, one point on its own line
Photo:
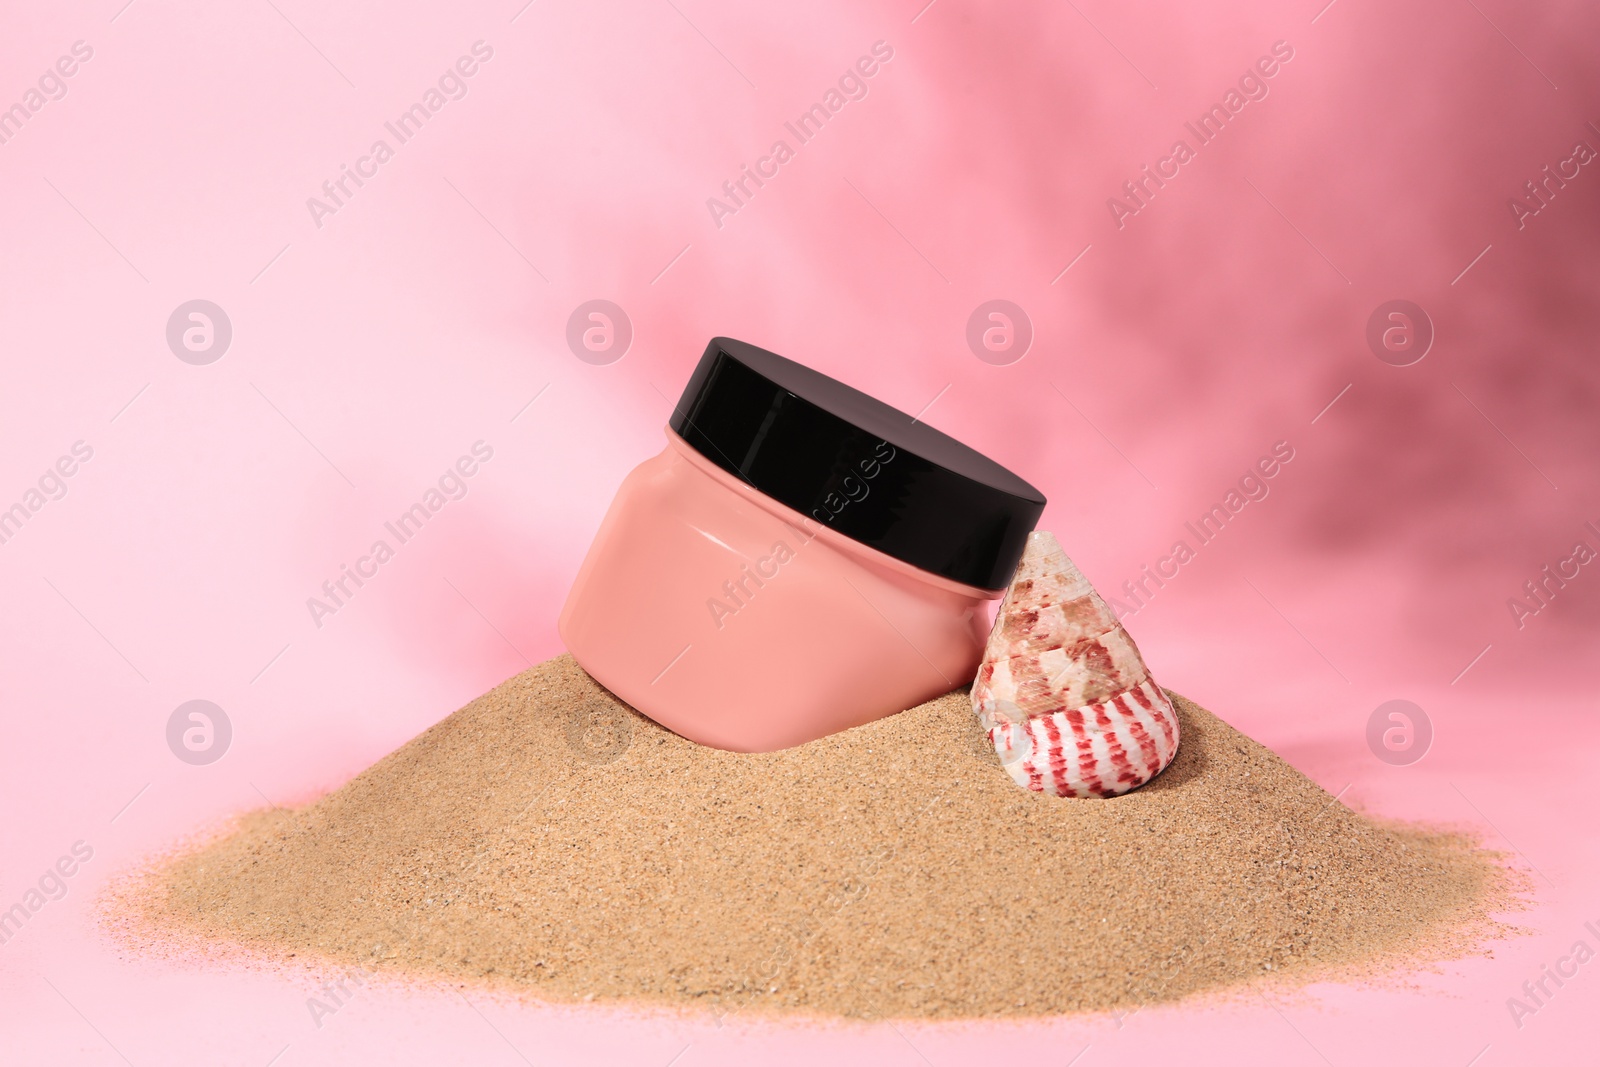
x=853 y=463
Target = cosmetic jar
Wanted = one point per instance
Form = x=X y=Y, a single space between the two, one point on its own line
x=799 y=559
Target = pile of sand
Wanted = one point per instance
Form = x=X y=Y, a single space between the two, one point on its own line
x=548 y=838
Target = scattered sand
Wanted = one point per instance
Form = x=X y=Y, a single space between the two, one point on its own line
x=547 y=838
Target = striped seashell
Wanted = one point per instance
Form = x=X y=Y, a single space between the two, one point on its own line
x=1062 y=690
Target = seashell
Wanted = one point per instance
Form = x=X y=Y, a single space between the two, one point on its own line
x=1062 y=691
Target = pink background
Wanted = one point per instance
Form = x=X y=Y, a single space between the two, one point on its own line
x=369 y=353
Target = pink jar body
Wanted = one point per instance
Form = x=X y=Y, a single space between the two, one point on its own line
x=739 y=623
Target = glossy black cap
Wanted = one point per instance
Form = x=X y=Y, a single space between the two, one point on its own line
x=853 y=463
